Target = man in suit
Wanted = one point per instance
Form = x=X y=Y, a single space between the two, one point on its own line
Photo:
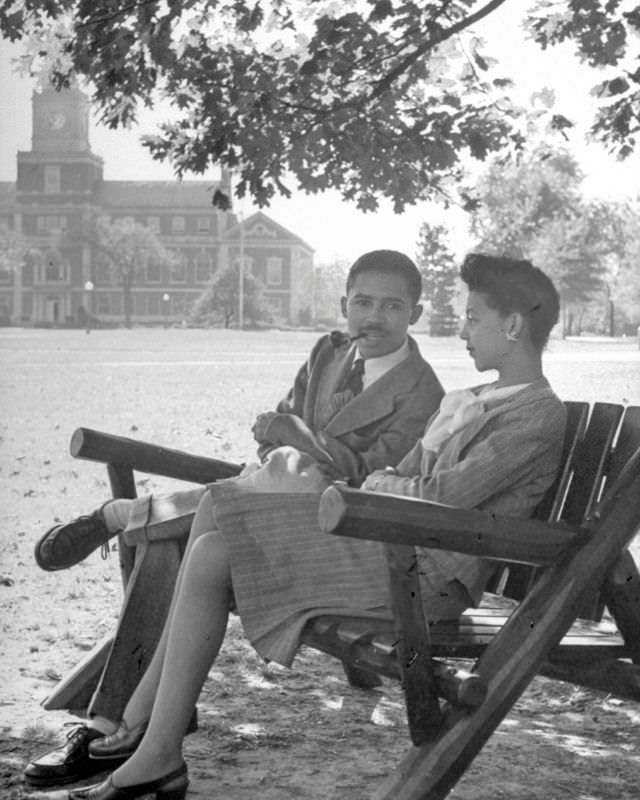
x=353 y=408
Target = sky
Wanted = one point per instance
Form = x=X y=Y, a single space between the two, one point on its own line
x=334 y=229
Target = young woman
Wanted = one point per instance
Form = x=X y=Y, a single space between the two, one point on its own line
x=495 y=447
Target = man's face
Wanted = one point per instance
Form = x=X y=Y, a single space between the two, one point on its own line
x=380 y=305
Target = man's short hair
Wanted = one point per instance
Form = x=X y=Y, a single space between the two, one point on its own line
x=508 y=285
x=393 y=262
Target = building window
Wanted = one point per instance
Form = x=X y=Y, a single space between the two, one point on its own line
x=178 y=224
x=274 y=305
x=53 y=267
x=50 y=223
x=204 y=224
x=204 y=267
x=152 y=272
x=115 y=301
x=153 y=223
x=52 y=179
x=247 y=262
x=153 y=304
x=103 y=304
x=178 y=272
x=103 y=271
x=139 y=305
x=179 y=304
x=274 y=271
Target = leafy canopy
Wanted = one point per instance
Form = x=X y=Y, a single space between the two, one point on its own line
x=370 y=97
x=533 y=208
x=605 y=33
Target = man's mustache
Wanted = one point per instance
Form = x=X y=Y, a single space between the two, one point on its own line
x=339 y=339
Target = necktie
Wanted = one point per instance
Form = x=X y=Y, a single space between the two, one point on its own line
x=354 y=381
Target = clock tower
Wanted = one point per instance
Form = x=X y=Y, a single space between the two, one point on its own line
x=60 y=121
x=58 y=181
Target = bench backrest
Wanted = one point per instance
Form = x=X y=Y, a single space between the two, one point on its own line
x=596 y=447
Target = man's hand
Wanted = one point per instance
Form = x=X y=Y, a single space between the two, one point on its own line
x=261 y=424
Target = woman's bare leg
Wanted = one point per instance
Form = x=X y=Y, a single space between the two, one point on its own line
x=195 y=633
x=139 y=706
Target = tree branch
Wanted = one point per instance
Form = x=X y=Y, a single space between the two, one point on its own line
x=431 y=42
x=120 y=12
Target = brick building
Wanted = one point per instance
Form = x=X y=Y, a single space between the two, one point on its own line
x=60 y=179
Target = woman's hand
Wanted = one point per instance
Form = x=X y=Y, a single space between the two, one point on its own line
x=372 y=482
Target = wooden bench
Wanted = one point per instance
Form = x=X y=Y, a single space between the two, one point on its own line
x=565 y=601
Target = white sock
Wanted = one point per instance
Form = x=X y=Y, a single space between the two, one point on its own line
x=116 y=514
x=103 y=725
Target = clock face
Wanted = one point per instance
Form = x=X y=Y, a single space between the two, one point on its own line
x=56 y=120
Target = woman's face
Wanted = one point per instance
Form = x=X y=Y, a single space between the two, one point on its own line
x=484 y=332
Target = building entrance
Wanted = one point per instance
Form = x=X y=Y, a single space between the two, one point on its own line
x=52 y=312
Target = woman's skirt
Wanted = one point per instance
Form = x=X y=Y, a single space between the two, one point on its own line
x=285 y=570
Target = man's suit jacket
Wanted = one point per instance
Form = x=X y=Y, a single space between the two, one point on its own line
x=352 y=436
x=503 y=461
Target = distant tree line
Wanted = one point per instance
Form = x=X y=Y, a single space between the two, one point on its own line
x=532 y=206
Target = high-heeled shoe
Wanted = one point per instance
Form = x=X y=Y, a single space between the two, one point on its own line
x=121 y=744
x=172 y=786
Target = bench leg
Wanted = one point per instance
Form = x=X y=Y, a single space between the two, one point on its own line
x=509 y=663
x=621 y=593
x=146 y=604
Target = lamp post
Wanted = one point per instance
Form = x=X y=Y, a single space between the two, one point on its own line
x=88 y=287
x=240 y=217
x=166 y=298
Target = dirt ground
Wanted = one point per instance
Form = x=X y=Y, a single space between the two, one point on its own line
x=264 y=731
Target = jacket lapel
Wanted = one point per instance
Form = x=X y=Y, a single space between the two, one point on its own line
x=328 y=377
x=377 y=400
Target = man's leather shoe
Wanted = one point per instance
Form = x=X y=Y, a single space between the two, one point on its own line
x=65 y=545
x=121 y=744
x=70 y=762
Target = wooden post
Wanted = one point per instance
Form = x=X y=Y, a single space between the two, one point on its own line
x=414 y=651
x=621 y=592
x=140 y=625
x=123 y=485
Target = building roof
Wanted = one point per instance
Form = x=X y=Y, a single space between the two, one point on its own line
x=156 y=194
x=249 y=224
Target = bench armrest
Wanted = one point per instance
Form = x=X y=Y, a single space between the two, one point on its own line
x=144 y=457
x=409 y=521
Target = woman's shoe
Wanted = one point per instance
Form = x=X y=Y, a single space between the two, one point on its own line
x=121 y=744
x=172 y=786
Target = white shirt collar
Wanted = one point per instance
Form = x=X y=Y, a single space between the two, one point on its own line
x=375 y=368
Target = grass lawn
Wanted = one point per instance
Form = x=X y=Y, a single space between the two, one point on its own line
x=277 y=734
